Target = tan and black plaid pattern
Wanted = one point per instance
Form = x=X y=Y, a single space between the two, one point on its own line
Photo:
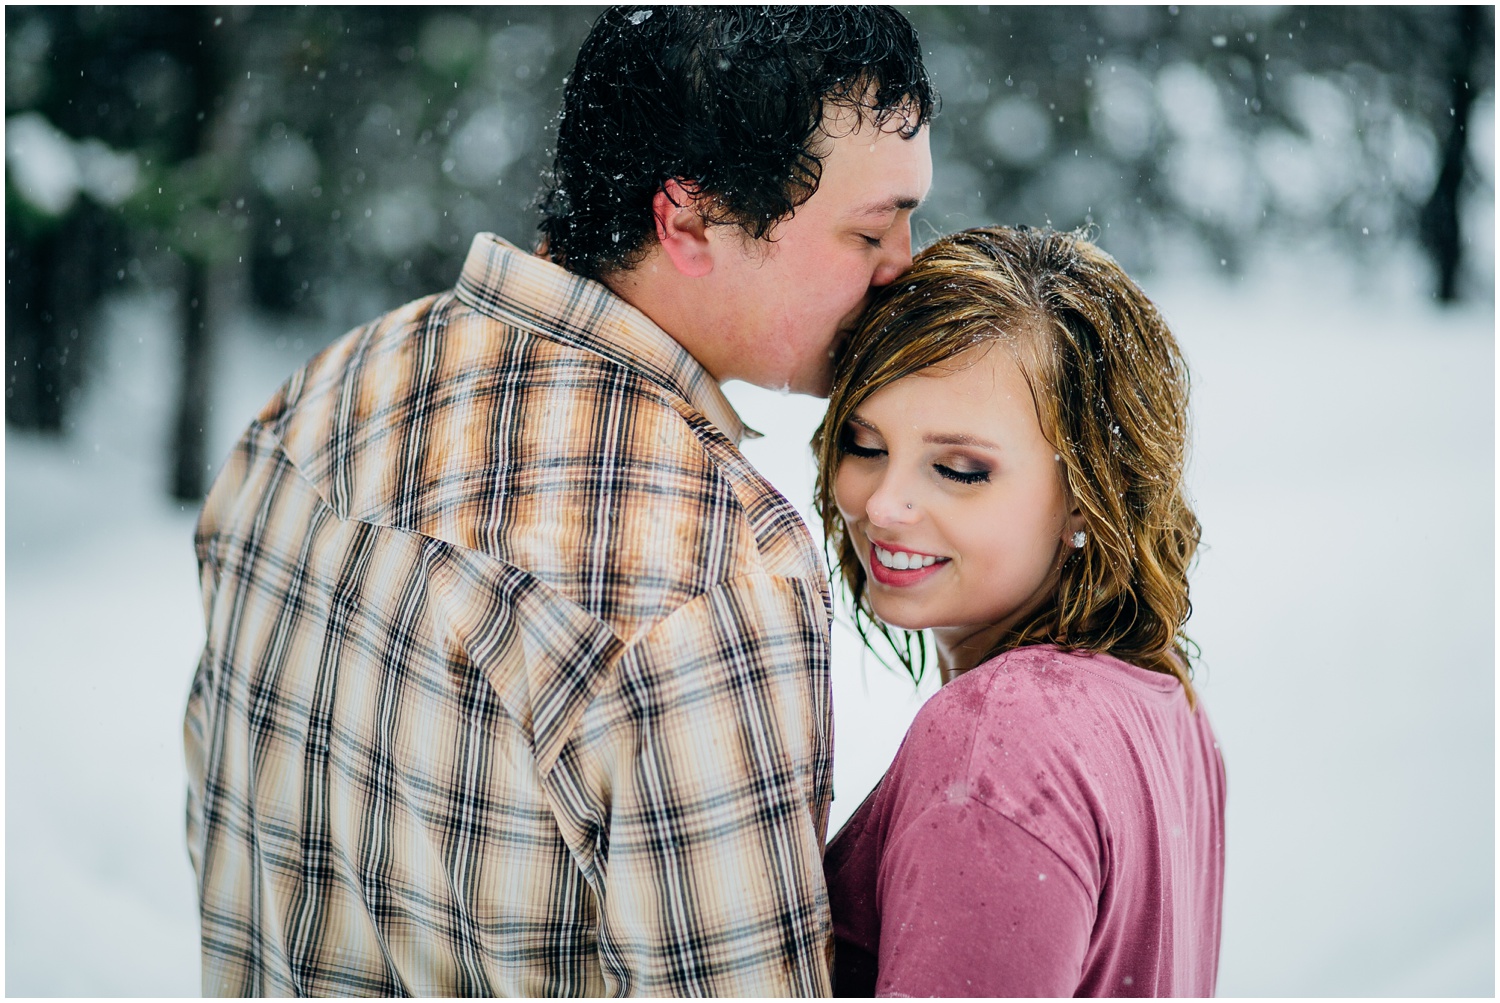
x=516 y=671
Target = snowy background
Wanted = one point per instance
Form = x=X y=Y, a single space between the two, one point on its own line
x=1279 y=177
x=1344 y=473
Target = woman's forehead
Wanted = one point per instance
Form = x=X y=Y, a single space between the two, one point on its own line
x=980 y=388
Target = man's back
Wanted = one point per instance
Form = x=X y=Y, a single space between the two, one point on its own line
x=516 y=675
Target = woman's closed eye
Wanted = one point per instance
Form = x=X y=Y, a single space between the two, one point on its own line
x=978 y=475
x=850 y=443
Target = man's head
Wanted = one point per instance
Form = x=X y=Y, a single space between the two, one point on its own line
x=745 y=175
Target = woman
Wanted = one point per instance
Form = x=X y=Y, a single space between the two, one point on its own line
x=1002 y=462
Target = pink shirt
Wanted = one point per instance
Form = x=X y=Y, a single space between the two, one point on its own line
x=1053 y=825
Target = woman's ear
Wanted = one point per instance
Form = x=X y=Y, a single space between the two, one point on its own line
x=1074 y=527
x=681 y=229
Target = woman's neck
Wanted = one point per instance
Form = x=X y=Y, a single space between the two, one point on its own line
x=959 y=649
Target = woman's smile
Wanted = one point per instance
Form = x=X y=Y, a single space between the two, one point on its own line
x=957 y=496
x=894 y=565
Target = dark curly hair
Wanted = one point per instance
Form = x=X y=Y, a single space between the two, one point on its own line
x=1111 y=391
x=728 y=100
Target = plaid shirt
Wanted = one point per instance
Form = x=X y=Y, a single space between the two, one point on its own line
x=516 y=671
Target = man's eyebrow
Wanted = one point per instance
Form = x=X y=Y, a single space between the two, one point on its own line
x=894 y=204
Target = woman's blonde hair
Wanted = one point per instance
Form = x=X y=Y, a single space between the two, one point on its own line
x=1111 y=393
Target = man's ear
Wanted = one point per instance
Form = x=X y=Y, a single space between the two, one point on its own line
x=681 y=230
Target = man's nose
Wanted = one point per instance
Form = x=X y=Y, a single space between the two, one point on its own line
x=898 y=258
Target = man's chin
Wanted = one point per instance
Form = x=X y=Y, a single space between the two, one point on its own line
x=824 y=386
x=819 y=385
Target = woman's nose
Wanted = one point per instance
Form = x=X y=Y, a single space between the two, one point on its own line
x=891 y=504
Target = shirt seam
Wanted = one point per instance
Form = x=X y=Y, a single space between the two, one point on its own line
x=734 y=503
x=495 y=308
x=969 y=771
x=608 y=681
x=665 y=391
x=971 y=799
x=533 y=579
x=1080 y=660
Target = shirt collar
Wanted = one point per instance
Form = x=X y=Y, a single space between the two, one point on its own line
x=504 y=282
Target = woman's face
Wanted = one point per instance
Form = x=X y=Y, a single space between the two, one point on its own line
x=954 y=501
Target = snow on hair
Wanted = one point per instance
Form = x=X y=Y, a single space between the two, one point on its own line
x=1111 y=390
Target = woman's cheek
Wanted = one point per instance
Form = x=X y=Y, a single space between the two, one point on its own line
x=846 y=494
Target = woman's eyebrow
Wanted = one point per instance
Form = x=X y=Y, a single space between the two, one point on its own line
x=957 y=439
x=933 y=438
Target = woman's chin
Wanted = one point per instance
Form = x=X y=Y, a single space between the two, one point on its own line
x=896 y=619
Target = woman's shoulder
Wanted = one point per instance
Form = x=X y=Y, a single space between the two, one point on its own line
x=1047 y=684
x=1014 y=681
x=1067 y=746
x=1038 y=720
x=1041 y=711
x=1021 y=707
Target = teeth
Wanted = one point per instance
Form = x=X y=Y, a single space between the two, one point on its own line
x=902 y=561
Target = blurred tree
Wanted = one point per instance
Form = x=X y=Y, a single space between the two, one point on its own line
x=385 y=138
x=187 y=35
x=335 y=161
x=107 y=160
x=60 y=238
x=1440 y=216
x=1222 y=124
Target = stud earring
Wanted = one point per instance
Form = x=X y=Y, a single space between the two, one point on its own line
x=1079 y=539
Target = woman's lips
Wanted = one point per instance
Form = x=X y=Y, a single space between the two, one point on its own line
x=898 y=577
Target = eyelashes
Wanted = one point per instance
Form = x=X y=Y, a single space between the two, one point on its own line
x=849 y=447
x=962 y=476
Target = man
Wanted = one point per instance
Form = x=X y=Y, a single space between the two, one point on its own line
x=515 y=679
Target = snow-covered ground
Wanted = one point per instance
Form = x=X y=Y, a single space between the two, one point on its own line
x=1344 y=603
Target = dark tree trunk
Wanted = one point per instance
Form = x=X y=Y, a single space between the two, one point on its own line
x=195 y=42
x=52 y=285
x=1441 y=231
x=189 y=437
x=31 y=377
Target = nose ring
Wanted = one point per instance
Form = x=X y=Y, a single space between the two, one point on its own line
x=908 y=504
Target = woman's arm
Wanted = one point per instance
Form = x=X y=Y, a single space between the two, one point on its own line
x=973 y=905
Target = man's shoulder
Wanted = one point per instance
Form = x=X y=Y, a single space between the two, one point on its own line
x=441 y=420
x=439 y=387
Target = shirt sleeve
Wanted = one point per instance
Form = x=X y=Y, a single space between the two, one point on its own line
x=198 y=722
x=711 y=880
x=973 y=905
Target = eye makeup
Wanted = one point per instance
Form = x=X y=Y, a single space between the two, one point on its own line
x=847 y=443
x=980 y=476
